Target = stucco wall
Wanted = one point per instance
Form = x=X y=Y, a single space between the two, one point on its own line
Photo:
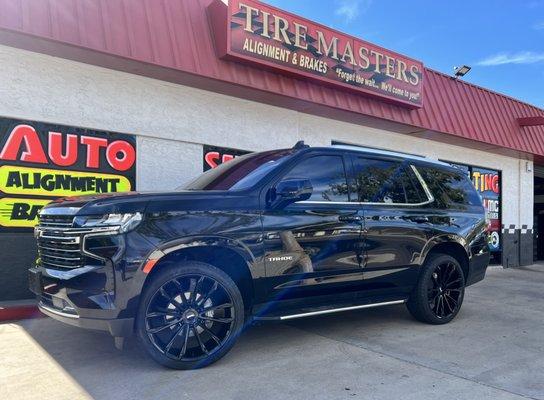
x=172 y=122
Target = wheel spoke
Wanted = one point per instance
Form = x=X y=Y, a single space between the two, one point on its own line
x=162 y=327
x=453 y=301
x=209 y=332
x=192 y=290
x=208 y=295
x=174 y=336
x=219 y=307
x=447 y=303
x=161 y=314
x=185 y=340
x=221 y=320
x=449 y=284
x=195 y=332
x=181 y=291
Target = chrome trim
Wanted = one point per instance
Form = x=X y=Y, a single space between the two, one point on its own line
x=78 y=231
x=69 y=273
x=55 y=224
x=77 y=258
x=59 y=265
x=56 y=312
x=68 y=239
x=423 y=183
x=53 y=249
x=88 y=253
x=335 y=310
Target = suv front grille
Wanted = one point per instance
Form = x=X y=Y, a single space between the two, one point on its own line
x=59 y=246
x=56 y=221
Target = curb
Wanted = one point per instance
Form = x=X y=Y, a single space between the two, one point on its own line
x=13 y=311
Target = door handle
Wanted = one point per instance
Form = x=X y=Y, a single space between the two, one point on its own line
x=350 y=218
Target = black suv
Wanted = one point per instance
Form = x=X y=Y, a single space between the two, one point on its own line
x=274 y=235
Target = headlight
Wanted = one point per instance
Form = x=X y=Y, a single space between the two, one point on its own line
x=124 y=222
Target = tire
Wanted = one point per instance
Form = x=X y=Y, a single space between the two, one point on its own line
x=439 y=293
x=190 y=315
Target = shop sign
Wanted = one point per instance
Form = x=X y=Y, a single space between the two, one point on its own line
x=487 y=183
x=40 y=162
x=214 y=156
x=254 y=32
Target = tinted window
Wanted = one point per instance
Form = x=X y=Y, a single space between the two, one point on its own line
x=327 y=175
x=383 y=181
x=450 y=187
x=240 y=173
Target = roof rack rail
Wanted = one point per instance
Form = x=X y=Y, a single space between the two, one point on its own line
x=300 y=145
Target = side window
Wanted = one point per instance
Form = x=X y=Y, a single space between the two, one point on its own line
x=327 y=175
x=450 y=187
x=385 y=181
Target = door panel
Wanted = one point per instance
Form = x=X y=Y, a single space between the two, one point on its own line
x=314 y=247
x=394 y=238
x=396 y=226
x=309 y=247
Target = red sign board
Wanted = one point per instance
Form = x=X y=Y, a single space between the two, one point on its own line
x=251 y=31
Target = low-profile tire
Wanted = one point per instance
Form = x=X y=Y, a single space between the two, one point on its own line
x=439 y=293
x=190 y=315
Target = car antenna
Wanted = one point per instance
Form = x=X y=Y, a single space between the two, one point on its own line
x=300 y=145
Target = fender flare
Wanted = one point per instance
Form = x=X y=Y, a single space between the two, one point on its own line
x=439 y=239
x=188 y=242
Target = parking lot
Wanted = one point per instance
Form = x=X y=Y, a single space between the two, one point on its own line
x=494 y=349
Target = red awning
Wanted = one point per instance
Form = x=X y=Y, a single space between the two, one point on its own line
x=171 y=40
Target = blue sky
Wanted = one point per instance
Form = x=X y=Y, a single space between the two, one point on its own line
x=503 y=41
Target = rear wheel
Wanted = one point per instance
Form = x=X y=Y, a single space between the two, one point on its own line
x=190 y=315
x=439 y=293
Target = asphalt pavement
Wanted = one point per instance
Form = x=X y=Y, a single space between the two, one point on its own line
x=493 y=350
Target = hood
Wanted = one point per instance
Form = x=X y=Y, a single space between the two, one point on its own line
x=130 y=202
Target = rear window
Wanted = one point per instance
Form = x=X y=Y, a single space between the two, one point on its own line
x=450 y=187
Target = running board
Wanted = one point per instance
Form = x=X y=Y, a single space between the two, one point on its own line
x=330 y=311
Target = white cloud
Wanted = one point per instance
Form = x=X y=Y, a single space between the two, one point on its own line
x=539 y=26
x=524 y=57
x=350 y=9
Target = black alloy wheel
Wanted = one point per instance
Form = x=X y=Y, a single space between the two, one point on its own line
x=192 y=316
x=444 y=289
x=439 y=293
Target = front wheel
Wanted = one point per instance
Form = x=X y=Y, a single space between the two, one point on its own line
x=439 y=293
x=190 y=315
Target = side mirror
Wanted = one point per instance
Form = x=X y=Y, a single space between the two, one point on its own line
x=290 y=191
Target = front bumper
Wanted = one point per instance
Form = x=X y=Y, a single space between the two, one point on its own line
x=116 y=327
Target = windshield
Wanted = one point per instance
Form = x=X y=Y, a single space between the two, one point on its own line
x=240 y=173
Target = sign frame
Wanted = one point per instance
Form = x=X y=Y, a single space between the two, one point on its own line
x=221 y=20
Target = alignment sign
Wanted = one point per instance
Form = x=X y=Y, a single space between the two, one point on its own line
x=40 y=162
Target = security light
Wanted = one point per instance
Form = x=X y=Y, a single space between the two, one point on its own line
x=461 y=71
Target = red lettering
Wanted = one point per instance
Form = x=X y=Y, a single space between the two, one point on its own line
x=211 y=158
x=128 y=155
x=227 y=157
x=33 y=148
x=495 y=184
x=93 y=149
x=55 y=149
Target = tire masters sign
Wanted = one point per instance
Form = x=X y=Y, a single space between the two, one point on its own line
x=40 y=162
x=253 y=32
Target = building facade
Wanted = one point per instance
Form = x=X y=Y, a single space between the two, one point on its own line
x=180 y=106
